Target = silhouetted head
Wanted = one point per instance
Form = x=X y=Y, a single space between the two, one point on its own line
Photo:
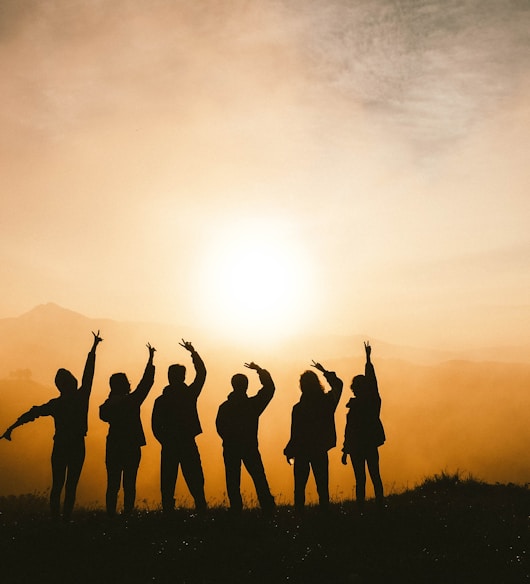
x=176 y=374
x=65 y=381
x=310 y=384
x=240 y=383
x=119 y=384
x=358 y=385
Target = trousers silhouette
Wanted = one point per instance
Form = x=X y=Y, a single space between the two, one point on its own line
x=67 y=462
x=251 y=458
x=318 y=463
x=121 y=463
x=370 y=458
x=184 y=454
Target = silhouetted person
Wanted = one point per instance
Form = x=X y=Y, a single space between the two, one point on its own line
x=69 y=412
x=313 y=434
x=237 y=424
x=175 y=424
x=364 y=431
x=126 y=435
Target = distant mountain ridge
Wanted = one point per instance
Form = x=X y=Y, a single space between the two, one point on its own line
x=439 y=409
x=53 y=324
x=50 y=310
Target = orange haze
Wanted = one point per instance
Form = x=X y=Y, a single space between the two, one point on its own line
x=438 y=415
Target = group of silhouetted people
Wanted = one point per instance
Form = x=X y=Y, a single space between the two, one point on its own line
x=175 y=424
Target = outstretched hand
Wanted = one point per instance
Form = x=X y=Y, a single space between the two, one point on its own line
x=367 y=348
x=187 y=345
x=6 y=435
x=253 y=365
x=151 y=349
x=97 y=339
x=317 y=366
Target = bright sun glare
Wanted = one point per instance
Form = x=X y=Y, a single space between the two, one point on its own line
x=256 y=281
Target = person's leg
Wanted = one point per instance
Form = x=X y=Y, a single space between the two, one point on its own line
x=75 y=465
x=372 y=460
x=232 y=460
x=169 y=466
x=301 y=474
x=193 y=475
x=114 y=472
x=359 y=469
x=130 y=472
x=59 y=462
x=320 y=465
x=254 y=466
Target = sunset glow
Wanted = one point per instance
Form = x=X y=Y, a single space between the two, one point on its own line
x=255 y=281
x=272 y=181
x=398 y=166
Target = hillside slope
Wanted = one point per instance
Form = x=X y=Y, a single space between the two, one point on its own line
x=448 y=529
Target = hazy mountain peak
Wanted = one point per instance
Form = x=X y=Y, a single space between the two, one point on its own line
x=50 y=309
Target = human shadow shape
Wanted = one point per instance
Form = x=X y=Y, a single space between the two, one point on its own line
x=175 y=424
x=237 y=424
x=126 y=435
x=69 y=412
x=313 y=434
x=364 y=432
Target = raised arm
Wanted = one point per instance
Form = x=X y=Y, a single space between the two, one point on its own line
x=146 y=383
x=88 y=373
x=369 y=371
x=200 y=368
x=264 y=395
x=334 y=382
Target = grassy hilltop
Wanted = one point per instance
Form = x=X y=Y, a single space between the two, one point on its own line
x=449 y=529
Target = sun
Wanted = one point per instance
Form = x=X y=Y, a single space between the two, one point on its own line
x=256 y=281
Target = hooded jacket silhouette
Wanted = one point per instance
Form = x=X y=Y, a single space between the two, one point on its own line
x=363 y=424
x=313 y=434
x=313 y=419
x=364 y=431
x=237 y=423
x=126 y=435
x=175 y=424
x=364 y=428
x=70 y=413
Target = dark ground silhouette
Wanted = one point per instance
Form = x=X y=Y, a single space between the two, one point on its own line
x=447 y=530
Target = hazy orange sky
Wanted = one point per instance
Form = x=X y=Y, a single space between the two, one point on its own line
x=282 y=166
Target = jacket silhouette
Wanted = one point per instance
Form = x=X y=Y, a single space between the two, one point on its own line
x=364 y=431
x=126 y=435
x=70 y=413
x=313 y=434
x=175 y=424
x=237 y=424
